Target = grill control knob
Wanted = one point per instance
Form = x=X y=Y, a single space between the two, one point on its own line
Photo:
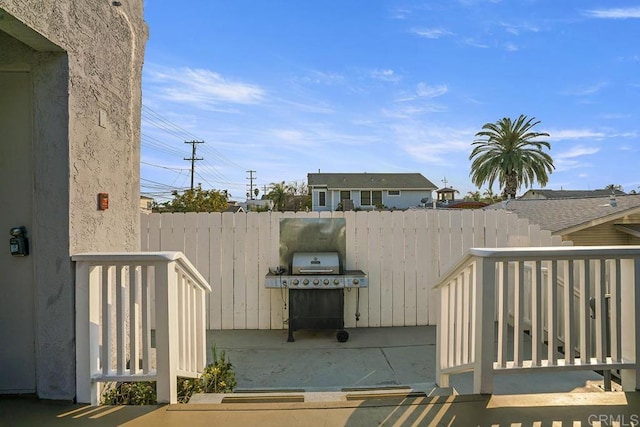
x=326 y=282
x=316 y=281
x=295 y=282
x=355 y=281
x=305 y=282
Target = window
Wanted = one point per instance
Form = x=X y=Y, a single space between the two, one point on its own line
x=394 y=192
x=345 y=195
x=376 y=198
x=322 y=198
x=365 y=198
x=371 y=198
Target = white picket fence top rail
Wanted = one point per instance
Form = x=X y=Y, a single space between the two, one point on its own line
x=557 y=295
x=120 y=299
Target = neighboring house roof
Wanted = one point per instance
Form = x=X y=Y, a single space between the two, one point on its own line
x=234 y=209
x=566 y=194
x=378 y=181
x=564 y=216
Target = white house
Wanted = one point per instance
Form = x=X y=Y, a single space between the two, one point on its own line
x=368 y=190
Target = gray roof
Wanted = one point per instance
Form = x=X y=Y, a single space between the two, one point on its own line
x=378 y=181
x=565 y=194
x=569 y=215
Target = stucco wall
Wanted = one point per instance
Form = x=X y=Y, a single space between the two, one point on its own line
x=87 y=98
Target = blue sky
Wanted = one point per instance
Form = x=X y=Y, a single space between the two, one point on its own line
x=285 y=88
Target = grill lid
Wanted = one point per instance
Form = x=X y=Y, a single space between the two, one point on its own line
x=315 y=263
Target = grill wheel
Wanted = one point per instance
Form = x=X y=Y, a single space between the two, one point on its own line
x=342 y=336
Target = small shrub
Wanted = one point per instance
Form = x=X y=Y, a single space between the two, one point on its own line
x=130 y=393
x=217 y=377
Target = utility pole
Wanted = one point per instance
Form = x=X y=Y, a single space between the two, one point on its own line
x=193 y=157
x=251 y=178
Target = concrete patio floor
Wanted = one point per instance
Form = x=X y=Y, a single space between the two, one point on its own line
x=371 y=358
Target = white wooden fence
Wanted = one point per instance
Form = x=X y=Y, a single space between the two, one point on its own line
x=403 y=253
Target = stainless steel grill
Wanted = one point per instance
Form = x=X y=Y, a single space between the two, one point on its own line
x=316 y=291
x=316 y=270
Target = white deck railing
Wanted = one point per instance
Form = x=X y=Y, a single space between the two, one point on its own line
x=120 y=299
x=557 y=295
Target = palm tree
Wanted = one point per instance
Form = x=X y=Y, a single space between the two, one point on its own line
x=508 y=152
x=278 y=192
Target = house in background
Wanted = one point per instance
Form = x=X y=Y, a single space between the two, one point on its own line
x=331 y=191
x=568 y=194
x=587 y=221
x=146 y=204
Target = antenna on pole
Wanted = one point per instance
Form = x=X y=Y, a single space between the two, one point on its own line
x=193 y=157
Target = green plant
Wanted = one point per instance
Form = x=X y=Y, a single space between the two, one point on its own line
x=217 y=377
x=130 y=393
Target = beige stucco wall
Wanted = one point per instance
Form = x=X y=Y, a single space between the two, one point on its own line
x=85 y=58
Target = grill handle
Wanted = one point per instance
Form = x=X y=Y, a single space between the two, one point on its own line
x=316 y=270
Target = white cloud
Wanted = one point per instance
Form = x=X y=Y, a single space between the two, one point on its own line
x=433 y=144
x=574 y=134
x=577 y=151
x=432 y=33
x=474 y=43
x=320 y=77
x=202 y=87
x=510 y=47
x=400 y=13
x=614 y=13
x=425 y=91
x=588 y=90
x=386 y=76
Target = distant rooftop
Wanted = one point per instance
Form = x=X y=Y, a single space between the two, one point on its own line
x=407 y=181
x=570 y=214
x=568 y=194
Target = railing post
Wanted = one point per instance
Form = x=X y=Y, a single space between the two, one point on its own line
x=442 y=337
x=485 y=282
x=87 y=332
x=166 y=332
x=630 y=316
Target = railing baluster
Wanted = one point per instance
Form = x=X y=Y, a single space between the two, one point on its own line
x=518 y=314
x=121 y=347
x=145 y=311
x=614 y=315
x=601 y=313
x=552 y=314
x=452 y=323
x=585 y=313
x=107 y=336
x=569 y=313
x=459 y=310
x=503 y=313
x=536 y=314
x=134 y=321
x=465 y=315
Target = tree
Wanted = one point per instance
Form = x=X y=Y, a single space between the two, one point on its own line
x=507 y=151
x=196 y=200
x=613 y=188
x=278 y=192
x=473 y=195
